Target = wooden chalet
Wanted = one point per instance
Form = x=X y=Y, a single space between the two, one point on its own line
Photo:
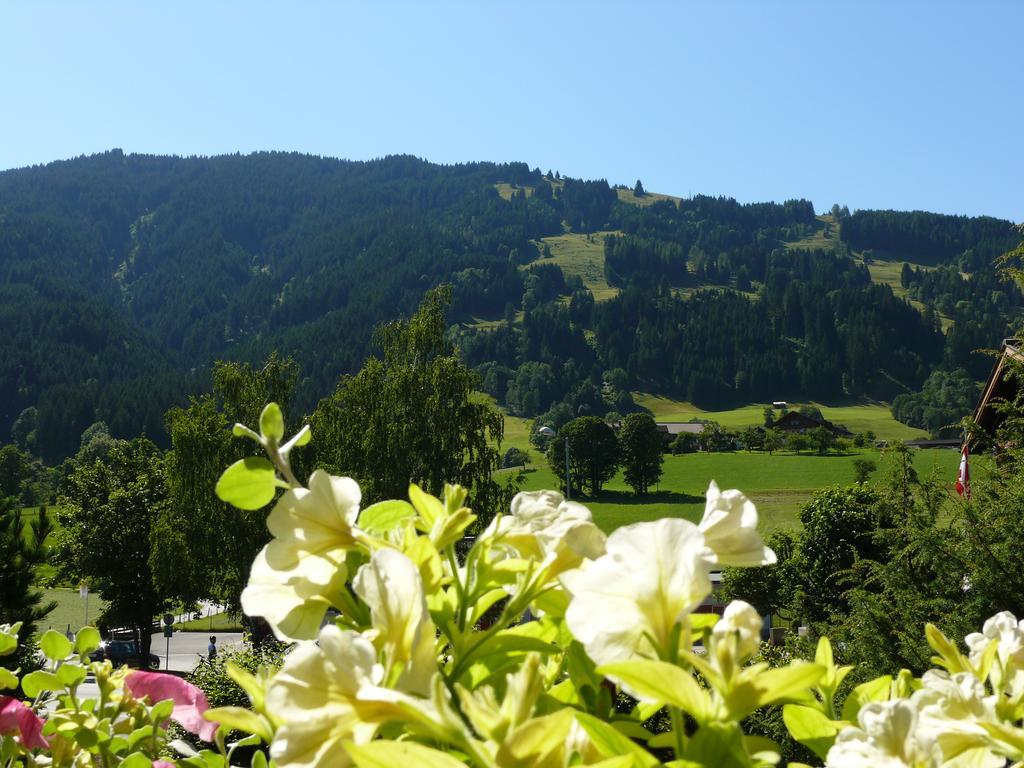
x=999 y=388
x=670 y=430
x=794 y=421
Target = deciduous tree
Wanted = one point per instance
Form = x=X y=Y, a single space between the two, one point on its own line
x=413 y=417
x=640 y=447
x=593 y=453
x=194 y=526
x=106 y=516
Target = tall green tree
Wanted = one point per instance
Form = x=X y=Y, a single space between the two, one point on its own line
x=640 y=447
x=15 y=469
x=593 y=453
x=107 y=511
x=412 y=416
x=21 y=553
x=202 y=547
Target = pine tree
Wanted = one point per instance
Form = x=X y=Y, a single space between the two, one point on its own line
x=21 y=553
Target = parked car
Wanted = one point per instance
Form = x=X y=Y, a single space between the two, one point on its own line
x=123 y=652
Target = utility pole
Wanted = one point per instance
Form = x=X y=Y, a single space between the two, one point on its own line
x=568 y=482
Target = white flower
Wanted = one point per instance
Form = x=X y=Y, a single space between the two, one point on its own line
x=889 y=736
x=292 y=603
x=952 y=710
x=730 y=529
x=742 y=622
x=544 y=525
x=652 y=576
x=294 y=577
x=1007 y=674
x=390 y=584
x=1004 y=628
x=326 y=694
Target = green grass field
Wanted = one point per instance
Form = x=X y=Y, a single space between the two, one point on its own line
x=779 y=484
x=649 y=198
x=217 y=622
x=888 y=273
x=576 y=255
x=817 y=240
x=506 y=190
x=857 y=417
x=70 y=610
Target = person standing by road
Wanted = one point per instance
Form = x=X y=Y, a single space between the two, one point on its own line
x=211 y=649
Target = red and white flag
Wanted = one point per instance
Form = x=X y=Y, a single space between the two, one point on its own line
x=963 y=477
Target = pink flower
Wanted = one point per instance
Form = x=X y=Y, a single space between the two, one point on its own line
x=162 y=764
x=189 y=701
x=16 y=716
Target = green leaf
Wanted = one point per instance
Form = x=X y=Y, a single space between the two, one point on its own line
x=300 y=438
x=611 y=743
x=823 y=654
x=717 y=744
x=240 y=719
x=248 y=484
x=87 y=640
x=8 y=644
x=811 y=728
x=259 y=760
x=248 y=682
x=949 y=655
x=139 y=734
x=54 y=645
x=8 y=679
x=662 y=681
x=623 y=761
x=272 y=422
x=36 y=682
x=872 y=690
x=429 y=507
x=162 y=710
x=386 y=754
x=385 y=516
x=136 y=760
x=793 y=681
x=70 y=675
x=240 y=430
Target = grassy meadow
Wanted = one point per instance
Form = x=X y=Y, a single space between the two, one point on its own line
x=855 y=416
x=649 y=198
x=817 y=240
x=779 y=483
x=70 y=610
x=583 y=255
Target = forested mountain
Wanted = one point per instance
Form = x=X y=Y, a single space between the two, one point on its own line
x=122 y=277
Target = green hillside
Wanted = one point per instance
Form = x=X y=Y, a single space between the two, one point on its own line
x=127 y=276
x=582 y=255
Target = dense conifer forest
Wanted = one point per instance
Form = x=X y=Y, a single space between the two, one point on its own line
x=124 y=277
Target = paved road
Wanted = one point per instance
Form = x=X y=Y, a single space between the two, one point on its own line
x=185 y=651
x=186 y=648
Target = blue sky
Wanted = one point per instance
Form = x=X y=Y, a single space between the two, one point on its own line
x=872 y=104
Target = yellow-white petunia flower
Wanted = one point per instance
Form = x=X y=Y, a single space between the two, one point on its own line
x=543 y=526
x=293 y=578
x=326 y=694
x=1007 y=633
x=952 y=710
x=741 y=626
x=889 y=736
x=292 y=603
x=390 y=584
x=730 y=529
x=651 y=576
